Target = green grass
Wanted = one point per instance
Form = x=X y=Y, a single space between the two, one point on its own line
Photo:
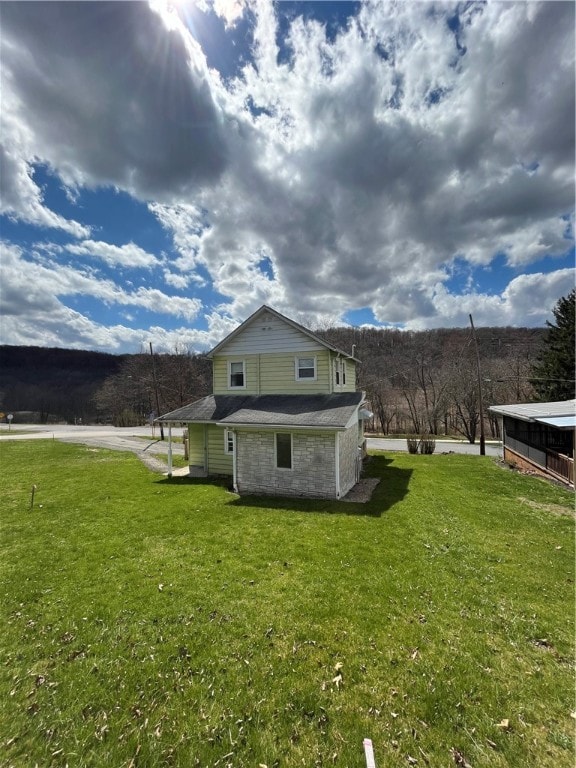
x=154 y=622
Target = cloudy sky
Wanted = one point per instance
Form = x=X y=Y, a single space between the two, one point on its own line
x=167 y=168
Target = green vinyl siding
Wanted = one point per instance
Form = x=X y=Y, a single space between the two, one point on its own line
x=220 y=375
x=350 y=385
x=219 y=462
x=275 y=373
x=278 y=374
x=196 y=438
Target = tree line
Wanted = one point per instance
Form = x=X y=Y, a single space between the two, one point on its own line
x=428 y=382
x=417 y=382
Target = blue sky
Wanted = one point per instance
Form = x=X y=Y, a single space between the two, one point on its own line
x=167 y=168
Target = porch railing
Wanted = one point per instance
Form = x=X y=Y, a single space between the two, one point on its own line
x=561 y=465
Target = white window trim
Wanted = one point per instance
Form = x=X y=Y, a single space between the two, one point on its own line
x=230 y=385
x=339 y=373
x=227 y=434
x=291 y=467
x=297 y=368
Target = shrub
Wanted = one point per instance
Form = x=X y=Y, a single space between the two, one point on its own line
x=427 y=444
x=127 y=418
x=412 y=443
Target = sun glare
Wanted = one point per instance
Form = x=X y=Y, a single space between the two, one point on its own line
x=169 y=10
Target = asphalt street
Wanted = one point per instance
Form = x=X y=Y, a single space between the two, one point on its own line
x=115 y=438
x=442 y=446
x=131 y=439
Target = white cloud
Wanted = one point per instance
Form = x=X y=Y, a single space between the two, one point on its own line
x=128 y=255
x=527 y=300
x=21 y=199
x=129 y=103
x=366 y=176
x=29 y=287
x=361 y=166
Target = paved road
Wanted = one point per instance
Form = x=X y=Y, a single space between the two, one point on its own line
x=442 y=446
x=130 y=439
x=115 y=438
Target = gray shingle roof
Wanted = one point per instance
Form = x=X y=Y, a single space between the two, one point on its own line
x=321 y=411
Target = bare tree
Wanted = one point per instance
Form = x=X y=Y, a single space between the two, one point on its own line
x=168 y=381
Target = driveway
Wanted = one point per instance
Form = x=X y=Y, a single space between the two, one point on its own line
x=115 y=438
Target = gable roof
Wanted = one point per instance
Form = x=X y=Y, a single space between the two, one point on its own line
x=259 y=312
x=332 y=411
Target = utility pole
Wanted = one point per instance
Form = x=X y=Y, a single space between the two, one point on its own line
x=480 y=401
x=156 y=391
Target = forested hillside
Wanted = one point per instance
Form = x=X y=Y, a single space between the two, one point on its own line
x=417 y=382
x=53 y=383
x=427 y=381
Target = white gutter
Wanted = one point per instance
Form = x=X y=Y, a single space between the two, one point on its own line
x=235 y=464
x=337 y=463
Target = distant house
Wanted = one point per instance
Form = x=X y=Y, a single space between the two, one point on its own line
x=284 y=417
x=540 y=437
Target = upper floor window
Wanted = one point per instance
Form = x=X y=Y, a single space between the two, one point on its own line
x=305 y=368
x=236 y=375
x=340 y=373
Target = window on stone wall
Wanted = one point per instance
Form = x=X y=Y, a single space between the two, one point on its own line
x=283 y=450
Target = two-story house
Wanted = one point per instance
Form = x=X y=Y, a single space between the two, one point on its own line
x=284 y=417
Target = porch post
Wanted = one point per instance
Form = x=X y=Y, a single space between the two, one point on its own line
x=337 y=463
x=169 y=450
x=235 y=462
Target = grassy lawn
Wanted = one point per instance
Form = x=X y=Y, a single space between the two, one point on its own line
x=154 y=622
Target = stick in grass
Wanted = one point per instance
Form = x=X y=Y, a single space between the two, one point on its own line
x=32 y=497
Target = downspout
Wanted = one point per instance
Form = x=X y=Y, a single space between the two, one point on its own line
x=337 y=463
x=169 y=449
x=235 y=463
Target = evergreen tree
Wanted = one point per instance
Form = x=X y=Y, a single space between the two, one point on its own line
x=554 y=370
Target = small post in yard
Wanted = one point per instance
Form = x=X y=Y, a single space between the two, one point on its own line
x=480 y=401
x=369 y=753
x=32 y=497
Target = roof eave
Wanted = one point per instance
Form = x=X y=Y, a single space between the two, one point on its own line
x=285 y=427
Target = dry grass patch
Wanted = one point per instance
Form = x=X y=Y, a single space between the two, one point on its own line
x=552 y=509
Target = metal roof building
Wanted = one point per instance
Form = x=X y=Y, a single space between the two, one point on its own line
x=540 y=437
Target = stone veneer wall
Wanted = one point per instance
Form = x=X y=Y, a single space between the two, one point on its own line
x=348 y=458
x=313 y=469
